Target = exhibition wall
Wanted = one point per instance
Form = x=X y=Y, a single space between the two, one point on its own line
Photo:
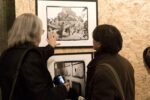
x=131 y=17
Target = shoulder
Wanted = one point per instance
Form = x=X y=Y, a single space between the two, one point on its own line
x=126 y=62
x=33 y=53
x=101 y=71
x=123 y=59
x=8 y=52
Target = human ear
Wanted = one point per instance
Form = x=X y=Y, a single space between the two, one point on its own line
x=99 y=44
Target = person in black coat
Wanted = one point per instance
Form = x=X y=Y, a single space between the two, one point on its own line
x=34 y=81
x=101 y=84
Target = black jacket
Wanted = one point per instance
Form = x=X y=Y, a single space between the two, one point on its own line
x=34 y=81
x=101 y=84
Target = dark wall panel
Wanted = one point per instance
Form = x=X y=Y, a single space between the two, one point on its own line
x=7 y=16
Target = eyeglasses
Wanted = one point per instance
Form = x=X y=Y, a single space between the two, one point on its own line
x=42 y=31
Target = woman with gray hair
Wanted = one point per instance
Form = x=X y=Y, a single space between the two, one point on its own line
x=33 y=81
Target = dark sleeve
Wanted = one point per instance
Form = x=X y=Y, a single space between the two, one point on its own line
x=103 y=85
x=46 y=52
x=38 y=81
x=130 y=84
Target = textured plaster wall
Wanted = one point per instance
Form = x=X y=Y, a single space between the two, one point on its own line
x=25 y=6
x=132 y=17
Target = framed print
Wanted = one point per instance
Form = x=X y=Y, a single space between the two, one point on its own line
x=73 y=68
x=72 y=20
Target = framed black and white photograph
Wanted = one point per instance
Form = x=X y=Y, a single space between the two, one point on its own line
x=73 y=68
x=73 y=21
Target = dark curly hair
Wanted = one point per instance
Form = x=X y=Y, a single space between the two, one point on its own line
x=109 y=37
x=146 y=56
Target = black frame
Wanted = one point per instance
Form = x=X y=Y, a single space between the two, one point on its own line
x=73 y=43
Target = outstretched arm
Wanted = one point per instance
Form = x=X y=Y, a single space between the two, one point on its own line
x=48 y=51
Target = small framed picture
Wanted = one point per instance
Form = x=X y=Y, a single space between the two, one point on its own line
x=72 y=20
x=73 y=68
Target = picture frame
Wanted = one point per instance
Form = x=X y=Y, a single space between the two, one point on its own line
x=72 y=67
x=72 y=20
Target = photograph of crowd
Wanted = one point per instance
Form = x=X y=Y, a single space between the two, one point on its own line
x=72 y=72
x=70 y=23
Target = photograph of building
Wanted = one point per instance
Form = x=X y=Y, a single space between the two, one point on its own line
x=70 y=23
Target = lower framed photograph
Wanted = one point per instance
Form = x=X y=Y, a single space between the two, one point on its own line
x=73 y=68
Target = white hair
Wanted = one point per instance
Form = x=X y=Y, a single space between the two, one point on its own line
x=26 y=28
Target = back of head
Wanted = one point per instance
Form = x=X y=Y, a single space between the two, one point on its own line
x=146 y=56
x=26 y=28
x=109 y=37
